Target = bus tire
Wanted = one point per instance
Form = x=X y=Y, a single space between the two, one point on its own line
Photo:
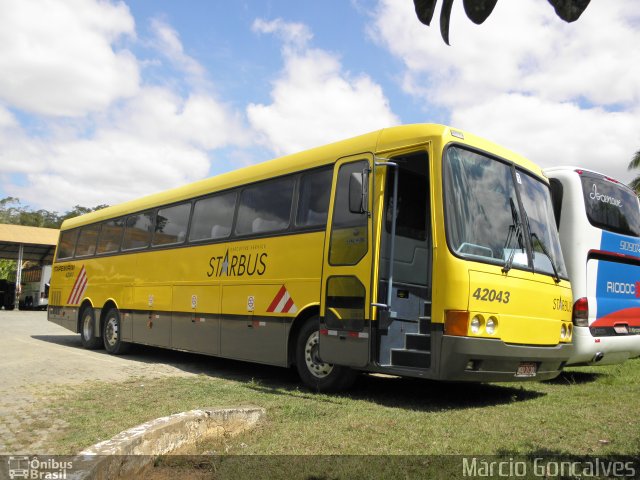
x=314 y=373
x=88 y=329
x=112 y=333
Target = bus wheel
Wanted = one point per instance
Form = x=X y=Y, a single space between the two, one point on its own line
x=314 y=373
x=88 y=329
x=112 y=333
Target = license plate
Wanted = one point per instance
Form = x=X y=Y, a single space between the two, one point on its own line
x=621 y=329
x=527 y=369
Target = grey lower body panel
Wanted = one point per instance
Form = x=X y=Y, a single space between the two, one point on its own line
x=486 y=360
x=66 y=317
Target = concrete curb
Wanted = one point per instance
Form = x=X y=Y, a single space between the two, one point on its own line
x=134 y=449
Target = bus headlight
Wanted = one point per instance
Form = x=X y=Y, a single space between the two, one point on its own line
x=491 y=326
x=563 y=331
x=476 y=324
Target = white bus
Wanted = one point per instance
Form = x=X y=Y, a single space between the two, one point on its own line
x=34 y=285
x=598 y=220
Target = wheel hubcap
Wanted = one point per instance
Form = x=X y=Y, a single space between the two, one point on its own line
x=315 y=365
x=87 y=327
x=111 y=331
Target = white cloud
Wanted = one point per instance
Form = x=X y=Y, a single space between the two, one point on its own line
x=293 y=34
x=156 y=141
x=558 y=92
x=158 y=114
x=551 y=133
x=140 y=139
x=314 y=101
x=58 y=57
x=167 y=42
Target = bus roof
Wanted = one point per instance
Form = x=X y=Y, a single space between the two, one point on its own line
x=377 y=142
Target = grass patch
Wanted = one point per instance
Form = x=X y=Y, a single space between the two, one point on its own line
x=585 y=411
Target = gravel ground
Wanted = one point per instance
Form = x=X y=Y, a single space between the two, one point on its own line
x=37 y=355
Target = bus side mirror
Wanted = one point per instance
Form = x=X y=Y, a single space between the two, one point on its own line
x=358 y=192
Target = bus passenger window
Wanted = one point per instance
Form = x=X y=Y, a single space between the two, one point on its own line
x=87 y=241
x=67 y=244
x=313 y=202
x=137 y=233
x=212 y=217
x=171 y=224
x=265 y=207
x=349 y=236
x=110 y=236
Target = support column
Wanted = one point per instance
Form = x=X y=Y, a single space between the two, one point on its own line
x=19 y=274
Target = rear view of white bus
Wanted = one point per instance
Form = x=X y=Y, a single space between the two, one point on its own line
x=599 y=224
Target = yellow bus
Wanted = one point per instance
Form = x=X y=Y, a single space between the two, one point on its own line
x=418 y=250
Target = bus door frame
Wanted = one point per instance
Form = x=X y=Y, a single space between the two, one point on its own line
x=347 y=285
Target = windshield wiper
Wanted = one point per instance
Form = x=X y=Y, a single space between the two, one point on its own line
x=515 y=231
x=556 y=276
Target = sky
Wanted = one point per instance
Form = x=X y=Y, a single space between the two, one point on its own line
x=103 y=101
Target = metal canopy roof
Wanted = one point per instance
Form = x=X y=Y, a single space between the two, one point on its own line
x=38 y=243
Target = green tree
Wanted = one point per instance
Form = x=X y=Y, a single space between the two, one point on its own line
x=12 y=211
x=7 y=268
x=80 y=210
x=479 y=10
x=634 y=164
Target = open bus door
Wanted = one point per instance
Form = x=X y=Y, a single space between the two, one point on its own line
x=345 y=312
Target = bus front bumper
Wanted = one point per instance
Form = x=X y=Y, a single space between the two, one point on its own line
x=487 y=360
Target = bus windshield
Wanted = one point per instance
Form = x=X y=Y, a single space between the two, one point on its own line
x=484 y=220
x=610 y=206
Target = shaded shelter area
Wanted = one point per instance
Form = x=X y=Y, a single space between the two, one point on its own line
x=23 y=243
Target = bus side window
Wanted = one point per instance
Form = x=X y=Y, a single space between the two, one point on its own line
x=67 y=244
x=87 y=241
x=138 y=229
x=110 y=236
x=171 y=224
x=213 y=217
x=313 y=199
x=265 y=207
x=556 y=199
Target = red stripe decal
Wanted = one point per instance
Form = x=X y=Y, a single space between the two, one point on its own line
x=82 y=287
x=74 y=290
x=288 y=305
x=277 y=299
x=630 y=316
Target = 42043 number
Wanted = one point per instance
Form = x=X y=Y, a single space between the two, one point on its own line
x=490 y=295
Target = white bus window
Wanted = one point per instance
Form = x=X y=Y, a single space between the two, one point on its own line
x=87 y=241
x=212 y=217
x=313 y=202
x=137 y=233
x=610 y=205
x=110 y=236
x=265 y=207
x=171 y=225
